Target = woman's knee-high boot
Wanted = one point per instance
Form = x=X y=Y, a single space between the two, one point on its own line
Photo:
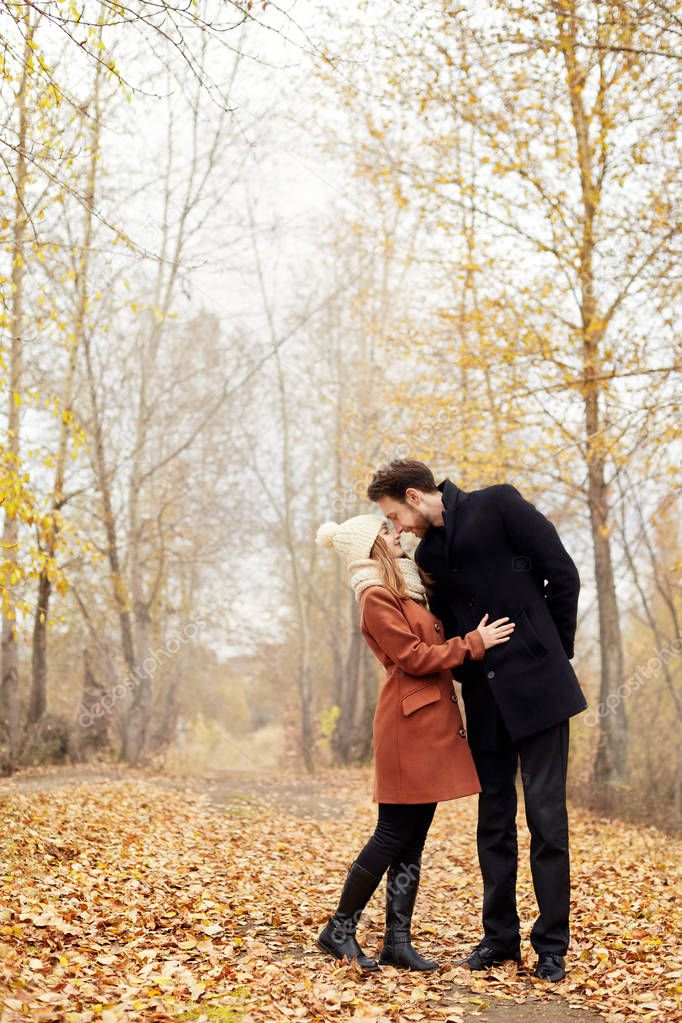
x=338 y=937
x=401 y=892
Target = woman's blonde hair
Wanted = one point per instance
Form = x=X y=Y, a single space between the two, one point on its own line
x=391 y=576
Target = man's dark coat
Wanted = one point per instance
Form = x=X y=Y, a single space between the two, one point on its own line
x=498 y=553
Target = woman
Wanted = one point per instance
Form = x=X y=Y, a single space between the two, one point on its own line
x=421 y=755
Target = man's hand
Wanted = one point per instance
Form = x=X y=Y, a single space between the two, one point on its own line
x=495 y=633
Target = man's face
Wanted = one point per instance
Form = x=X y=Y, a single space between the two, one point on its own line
x=404 y=517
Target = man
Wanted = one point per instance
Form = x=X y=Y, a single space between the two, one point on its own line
x=492 y=551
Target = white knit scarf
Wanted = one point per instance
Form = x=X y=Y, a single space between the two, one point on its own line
x=365 y=572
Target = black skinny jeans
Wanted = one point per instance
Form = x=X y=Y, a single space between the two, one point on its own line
x=398 y=838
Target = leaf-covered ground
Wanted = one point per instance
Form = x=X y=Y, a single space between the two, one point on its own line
x=144 y=898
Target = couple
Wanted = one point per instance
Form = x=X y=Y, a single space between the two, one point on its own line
x=488 y=557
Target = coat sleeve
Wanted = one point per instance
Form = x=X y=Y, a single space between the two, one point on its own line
x=386 y=624
x=534 y=537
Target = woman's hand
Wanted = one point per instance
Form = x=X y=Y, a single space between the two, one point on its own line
x=496 y=632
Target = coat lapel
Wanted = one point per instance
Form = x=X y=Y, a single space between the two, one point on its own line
x=430 y=547
x=452 y=496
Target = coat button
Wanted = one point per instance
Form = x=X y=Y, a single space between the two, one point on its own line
x=437 y=627
x=462 y=733
x=453 y=698
x=491 y=674
x=471 y=601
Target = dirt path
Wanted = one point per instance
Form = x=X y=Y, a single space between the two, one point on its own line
x=308 y=800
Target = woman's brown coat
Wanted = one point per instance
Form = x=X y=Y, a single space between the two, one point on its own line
x=421 y=754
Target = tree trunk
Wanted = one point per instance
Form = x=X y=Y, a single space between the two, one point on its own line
x=139 y=711
x=104 y=484
x=92 y=728
x=9 y=690
x=38 y=697
x=610 y=759
x=345 y=738
x=611 y=755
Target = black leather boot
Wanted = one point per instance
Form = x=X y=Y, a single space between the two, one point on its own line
x=338 y=937
x=401 y=892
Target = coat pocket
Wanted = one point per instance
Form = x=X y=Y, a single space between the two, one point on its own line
x=530 y=637
x=420 y=698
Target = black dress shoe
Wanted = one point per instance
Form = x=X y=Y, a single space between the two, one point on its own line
x=550 y=966
x=484 y=956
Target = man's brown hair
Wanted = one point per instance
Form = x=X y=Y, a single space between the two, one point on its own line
x=394 y=478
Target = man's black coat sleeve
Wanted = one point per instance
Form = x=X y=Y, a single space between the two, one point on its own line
x=533 y=536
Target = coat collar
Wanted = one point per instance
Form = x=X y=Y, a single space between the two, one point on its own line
x=453 y=498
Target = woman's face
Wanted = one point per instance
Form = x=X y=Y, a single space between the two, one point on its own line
x=392 y=541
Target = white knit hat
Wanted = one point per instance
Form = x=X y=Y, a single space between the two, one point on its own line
x=352 y=539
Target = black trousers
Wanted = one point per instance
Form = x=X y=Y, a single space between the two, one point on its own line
x=544 y=760
x=398 y=838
